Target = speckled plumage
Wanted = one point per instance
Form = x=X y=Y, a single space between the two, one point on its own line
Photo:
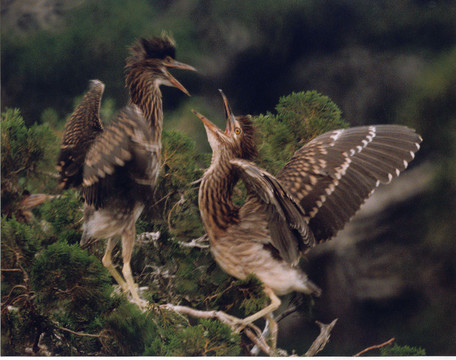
x=309 y=201
x=118 y=167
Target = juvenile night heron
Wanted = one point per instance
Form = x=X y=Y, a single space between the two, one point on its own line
x=118 y=166
x=308 y=202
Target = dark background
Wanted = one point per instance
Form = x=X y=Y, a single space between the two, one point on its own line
x=392 y=272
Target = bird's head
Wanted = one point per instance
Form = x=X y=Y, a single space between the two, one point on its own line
x=151 y=58
x=239 y=138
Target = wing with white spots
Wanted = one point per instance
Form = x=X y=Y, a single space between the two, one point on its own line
x=288 y=229
x=333 y=175
x=123 y=156
x=83 y=126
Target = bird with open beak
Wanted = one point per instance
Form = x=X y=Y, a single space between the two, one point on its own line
x=309 y=201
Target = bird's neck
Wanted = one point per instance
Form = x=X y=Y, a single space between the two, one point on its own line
x=216 y=207
x=146 y=94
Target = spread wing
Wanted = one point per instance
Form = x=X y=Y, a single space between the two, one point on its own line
x=123 y=157
x=80 y=131
x=335 y=173
x=286 y=219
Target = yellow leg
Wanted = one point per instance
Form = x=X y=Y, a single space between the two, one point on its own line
x=107 y=262
x=273 y=330
x=274 y=305
x=128 y=240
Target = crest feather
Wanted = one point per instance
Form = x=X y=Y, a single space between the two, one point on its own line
x=153 y=48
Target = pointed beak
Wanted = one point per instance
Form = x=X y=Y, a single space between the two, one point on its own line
x=207 y=123
x=229 y=115
x=178 y=65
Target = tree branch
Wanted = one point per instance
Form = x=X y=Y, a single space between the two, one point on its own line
x=389 y=342
x=259 y=342
x=231 y=321
x=78 y=333
x=322 y=339
x=200 y=314
x=201 y=242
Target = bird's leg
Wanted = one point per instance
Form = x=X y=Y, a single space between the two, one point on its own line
x=274 y=305
x=128 y=240
x=107 y=262
x=273 y=330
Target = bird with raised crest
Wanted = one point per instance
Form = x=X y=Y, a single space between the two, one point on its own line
x=118 y=166
x=308 y=202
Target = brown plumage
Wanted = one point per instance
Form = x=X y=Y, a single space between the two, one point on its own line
x=309 y=201
x=117 y=167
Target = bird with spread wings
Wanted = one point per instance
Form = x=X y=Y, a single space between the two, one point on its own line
x=308 y=202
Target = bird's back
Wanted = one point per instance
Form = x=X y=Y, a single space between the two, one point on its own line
x=122 y=165
x=120 y=171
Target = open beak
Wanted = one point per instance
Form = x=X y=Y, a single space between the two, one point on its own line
x=178 y=65
x=207 y=123
x=229 y=115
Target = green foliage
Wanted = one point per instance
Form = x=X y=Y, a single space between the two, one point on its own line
x=27 y=153
x=176 y=203
x=64 y=214
x=128 y=330
x=20 y=243
x=300 y=117
x=241 y=298
x=69 y=282
x=398 y=350
x=63 y=292
x=207 y=338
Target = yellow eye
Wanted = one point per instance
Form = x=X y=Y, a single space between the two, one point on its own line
x=237 y=131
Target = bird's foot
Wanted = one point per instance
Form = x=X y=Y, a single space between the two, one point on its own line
x=141 y=303
x=134 y=298
x=240 y=325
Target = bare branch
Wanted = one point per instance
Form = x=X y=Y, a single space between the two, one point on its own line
x=178 y=203
x=389 y=342
x=197 y=182
x=285 y=313
x=322 y=339
x=259 y=342
x=78 y=333
x=147 y=237
x=202 y=242
x=231 y=321
x=200 y=314
x=18 y=270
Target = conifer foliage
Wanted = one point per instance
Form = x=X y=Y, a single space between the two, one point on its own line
x=58 y=299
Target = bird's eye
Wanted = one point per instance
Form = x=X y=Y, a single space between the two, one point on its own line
x=237 y=131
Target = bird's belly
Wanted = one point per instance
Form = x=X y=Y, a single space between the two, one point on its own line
x=109 y=222
x=240 y=259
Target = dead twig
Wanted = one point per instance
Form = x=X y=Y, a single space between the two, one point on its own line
x=373 y=347
x=202 y=242
x=78 y=333
x=231 y=321
x=287 y=312
x=259 y=342
x=322 y=339
x=178 y=203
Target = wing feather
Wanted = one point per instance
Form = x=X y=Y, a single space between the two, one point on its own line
x=335 y=173
x=122 y=159
x=82 y=128
x=287 y=225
